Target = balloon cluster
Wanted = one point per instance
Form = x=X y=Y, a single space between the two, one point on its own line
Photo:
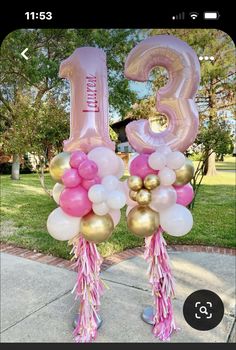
x=89 y=193
x=158 y=192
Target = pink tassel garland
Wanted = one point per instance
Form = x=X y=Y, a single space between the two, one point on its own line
x=89 y=288
x=161 y=279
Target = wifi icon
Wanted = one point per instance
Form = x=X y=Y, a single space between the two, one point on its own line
x=193 y=15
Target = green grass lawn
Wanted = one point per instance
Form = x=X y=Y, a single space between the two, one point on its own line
x=25 y=208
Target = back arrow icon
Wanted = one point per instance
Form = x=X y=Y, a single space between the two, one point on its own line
x=23 y=53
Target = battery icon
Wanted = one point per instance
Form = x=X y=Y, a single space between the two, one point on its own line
x=211 y=15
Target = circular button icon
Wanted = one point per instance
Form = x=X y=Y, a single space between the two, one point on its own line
x=203 y=310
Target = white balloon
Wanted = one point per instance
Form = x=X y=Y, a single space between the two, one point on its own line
x=100 y=208
x=62 y=226
x=175 y=160
x=157 y=161
x=164 y=149
x=176 y=220
x=110 y=182
x=97 y=193
x=121 y=169
x=106 y=160
x=116 y=200
x=167 y=176
x=56 y=192
x=163 y=197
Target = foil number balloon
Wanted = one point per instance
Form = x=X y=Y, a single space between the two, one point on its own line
x=176 y=99
x=89 y=127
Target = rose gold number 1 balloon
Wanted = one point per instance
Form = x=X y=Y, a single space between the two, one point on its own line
x=89 y=128
x=176 y=99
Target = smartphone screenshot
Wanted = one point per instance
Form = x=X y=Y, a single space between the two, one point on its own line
x=117 y=165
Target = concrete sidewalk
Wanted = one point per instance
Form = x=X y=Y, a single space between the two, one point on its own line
x=37 y=304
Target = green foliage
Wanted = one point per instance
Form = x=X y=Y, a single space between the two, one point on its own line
x=216 y=136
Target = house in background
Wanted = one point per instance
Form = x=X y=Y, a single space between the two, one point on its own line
x=123 y=145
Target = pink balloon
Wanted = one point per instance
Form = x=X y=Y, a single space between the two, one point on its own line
x=89 y=124
x=71 y=178
x=185 y=194
x=139 y=166
x=115 y=214
x=75 y=201
x=77 y=158
x=88 y=169
x=175 y=100
x=89 y=183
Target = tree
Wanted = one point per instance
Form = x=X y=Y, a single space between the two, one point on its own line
x=37 y=80
x=215 y=97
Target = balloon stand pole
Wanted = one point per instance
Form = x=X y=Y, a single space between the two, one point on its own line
x=89 y=288
x=160 y=277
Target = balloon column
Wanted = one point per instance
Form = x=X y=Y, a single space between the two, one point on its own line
x=88 y=190
x=158 y=189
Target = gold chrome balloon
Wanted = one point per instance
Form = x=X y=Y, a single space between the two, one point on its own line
x=184 y=174
x=142 y=221
x=133 y=195
x=135 y=183
x=95 y=228
x=151 y=181
x=58 y=165
x=143 y=197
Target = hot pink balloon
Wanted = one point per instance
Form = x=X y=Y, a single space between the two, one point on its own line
x=75 y=202
x=89 y=183
x=175 y=100
x=77 y=158
x=139 y=166
x=88 y=169
x=71 y=178
x=185 y=194
x=89 y=125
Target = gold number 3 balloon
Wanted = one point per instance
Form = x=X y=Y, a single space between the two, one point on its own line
x=175 y=100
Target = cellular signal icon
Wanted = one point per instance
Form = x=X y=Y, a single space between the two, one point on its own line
x=179 y=16
x=193 y=15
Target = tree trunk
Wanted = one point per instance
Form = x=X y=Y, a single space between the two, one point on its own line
x=15 y=169
x=211 y=165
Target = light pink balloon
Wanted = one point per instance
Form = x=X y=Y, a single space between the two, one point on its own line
x=75 y=201
x=126 y=189
x=115 y=215
x=163 y=197
x=89 y=183
x=185 y=194
x=89 y=125
x=77 y=158
x=71 y=178
x=88 y=169
x=130 y=207
x=106 y=160
x=121 y=168
x=140 y=167
x=175 y=100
